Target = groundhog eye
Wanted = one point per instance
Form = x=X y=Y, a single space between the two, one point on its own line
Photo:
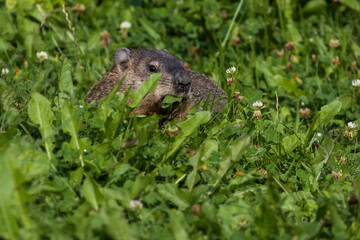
x=152 y=68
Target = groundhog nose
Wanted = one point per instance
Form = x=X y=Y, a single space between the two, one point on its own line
x=182 y=80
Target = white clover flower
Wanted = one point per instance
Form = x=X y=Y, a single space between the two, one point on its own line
x=319 y=134
x=231 y=70
x=356 y=83
x=125 y=25
x=351 y=125
x=302 y=104
x=42 y=56
x=258 y=104
x=81 y=106
x=135 y=204
x=5 y=71
x=85 y=150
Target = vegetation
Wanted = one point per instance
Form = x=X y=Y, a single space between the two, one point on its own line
x=281 y=161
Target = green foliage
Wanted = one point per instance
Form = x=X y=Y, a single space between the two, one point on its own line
x=168 y=100
x=146 y=87
x=73 y=170
x=40 y=113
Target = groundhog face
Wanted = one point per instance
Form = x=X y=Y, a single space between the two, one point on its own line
x=139 y=64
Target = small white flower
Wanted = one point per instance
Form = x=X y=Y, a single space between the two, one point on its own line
x=311 y=40
x=135 y=204
x=125 y=25
x=231 y=70
x=356 y=83
x=258 y=104
x=302 y=104
x=4 y=71
x=319 y=134
x=81 y=106
x=42 y=56
x=85 y=150
x=351 y=125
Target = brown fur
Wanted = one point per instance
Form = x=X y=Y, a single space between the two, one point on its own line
x=201 y=87
x=175 y=81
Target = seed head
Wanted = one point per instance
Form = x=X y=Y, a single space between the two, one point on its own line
x=196 y=209
x=104 y=37
x=191 y=153
x=313 y=58
x=257 y=114
x=235 y=41
x=289 y=46
x=304 y=112
x=173 y=131
x=80 y=8
x=348 y=134
x=350 y=129
x=297 y=78
x=353 y=64
x=288 y=67
x=262 y=171
x=105 y=34
x=238 y=97
x=294 y=58
x=336 y=174
x=335 y=61
x=342 y=160
x=334 y=43
x=230 y=81
x=279 y=52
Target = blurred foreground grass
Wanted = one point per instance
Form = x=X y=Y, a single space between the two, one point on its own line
x=69 y=170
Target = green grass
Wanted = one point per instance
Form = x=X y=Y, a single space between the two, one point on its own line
x=70 y=170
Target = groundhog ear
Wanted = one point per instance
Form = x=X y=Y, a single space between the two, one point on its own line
x=122 y=58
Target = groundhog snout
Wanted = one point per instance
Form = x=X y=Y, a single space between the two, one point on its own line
x=182 y=80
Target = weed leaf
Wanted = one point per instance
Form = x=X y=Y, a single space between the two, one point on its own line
x=174 y=195
x=145 y=88
x=71 y=124
x=188 y=127
x=65 y=83
x=40 y=113
x=89 y=193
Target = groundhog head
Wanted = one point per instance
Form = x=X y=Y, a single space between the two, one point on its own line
x=138 y=65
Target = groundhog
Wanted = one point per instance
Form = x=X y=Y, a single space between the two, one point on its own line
x=139 y=64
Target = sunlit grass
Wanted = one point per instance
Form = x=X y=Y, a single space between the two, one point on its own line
x=281 y=160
